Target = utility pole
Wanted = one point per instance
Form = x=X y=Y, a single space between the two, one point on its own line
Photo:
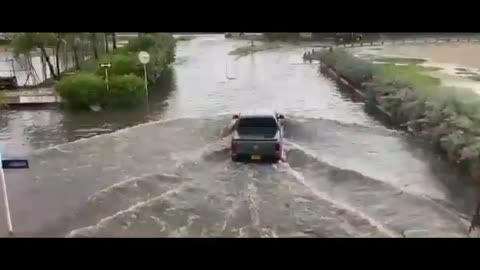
x=106 y=66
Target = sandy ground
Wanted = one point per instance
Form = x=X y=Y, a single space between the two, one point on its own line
x=463 y=54
x=448 y=56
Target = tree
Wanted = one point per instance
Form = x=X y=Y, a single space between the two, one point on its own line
x=114 y=40
x=93 y=41
x=60 y=40
x=73 y=41
x=106 y=42
x=26 y=42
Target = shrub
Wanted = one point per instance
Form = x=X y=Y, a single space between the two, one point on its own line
x=354 y=69
x=2 y=100
x=144 y=42
x=449 y=117
x=161 y=48
x=125 y=76
x=122 y=64
x=82 y=90
x=125 y=91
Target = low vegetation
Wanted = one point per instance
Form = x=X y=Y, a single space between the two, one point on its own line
x=474 y=77
x=184 y=38
x=5 y=45
x=82 y=90
x=400 y=60
x=2 y=100
x=126 y=76
x=446 y=116
x=246 y=50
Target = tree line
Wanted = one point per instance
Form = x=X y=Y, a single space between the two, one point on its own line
x=78 y=45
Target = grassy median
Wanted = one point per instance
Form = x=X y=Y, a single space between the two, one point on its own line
x=449 y=117
x=126 y=74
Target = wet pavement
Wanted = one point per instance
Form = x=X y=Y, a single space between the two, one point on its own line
x=166 y=171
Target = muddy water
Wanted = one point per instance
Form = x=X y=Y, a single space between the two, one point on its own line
x=345 y=174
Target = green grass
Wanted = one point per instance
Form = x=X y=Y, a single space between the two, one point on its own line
x=401 y=60
x=448 y=117
x=409 y=75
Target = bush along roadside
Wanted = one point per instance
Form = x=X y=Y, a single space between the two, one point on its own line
x=126 y=75
x=446 y=116
x=2 y=100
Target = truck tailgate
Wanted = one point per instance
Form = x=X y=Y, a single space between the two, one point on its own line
x=256 y=147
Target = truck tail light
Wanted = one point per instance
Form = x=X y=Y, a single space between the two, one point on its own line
x=277 y=147
x=278 y=150
x=234 y=147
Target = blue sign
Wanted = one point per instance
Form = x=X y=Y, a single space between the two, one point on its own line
x=13 y=163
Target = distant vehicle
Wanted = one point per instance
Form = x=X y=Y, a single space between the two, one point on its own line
x=257 y=136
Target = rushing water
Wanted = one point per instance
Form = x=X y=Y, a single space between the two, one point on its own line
x=345 y=174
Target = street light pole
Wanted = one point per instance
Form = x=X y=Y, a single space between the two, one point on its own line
x=5 y=198
x=106 y=66
x=146 y=80
x=144 y=58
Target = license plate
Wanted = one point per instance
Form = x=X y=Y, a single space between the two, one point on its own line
x=256 y=157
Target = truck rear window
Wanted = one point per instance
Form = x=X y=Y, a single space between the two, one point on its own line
x=257 y=122
x=266 y=126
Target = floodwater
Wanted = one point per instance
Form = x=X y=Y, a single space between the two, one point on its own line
x=166 y=172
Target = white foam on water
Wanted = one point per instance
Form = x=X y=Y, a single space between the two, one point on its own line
x=314 y=156
x=323 y=196
x=129 y=129
x=125 y=183
x=105 y=221
x=299 y=177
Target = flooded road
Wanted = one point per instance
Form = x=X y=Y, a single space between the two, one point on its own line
x=167 y=173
